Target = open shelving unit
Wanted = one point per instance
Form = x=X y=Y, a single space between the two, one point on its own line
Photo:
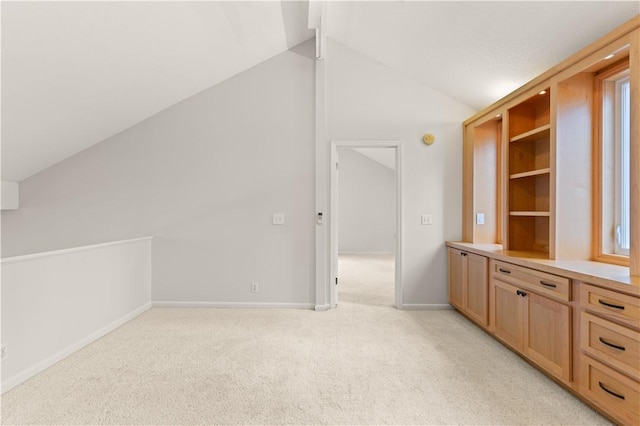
x=529 y=172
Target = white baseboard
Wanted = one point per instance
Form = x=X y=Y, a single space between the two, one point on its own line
x=15 y=380
x=425 y=307
x=234 y=305
x=365 y=253
x=324 y=307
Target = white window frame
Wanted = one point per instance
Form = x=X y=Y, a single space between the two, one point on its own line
x=622 y=201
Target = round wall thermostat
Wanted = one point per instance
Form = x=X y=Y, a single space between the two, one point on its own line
x=428 y=138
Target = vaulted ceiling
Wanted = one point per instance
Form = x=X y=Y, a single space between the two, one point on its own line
x=76 y=73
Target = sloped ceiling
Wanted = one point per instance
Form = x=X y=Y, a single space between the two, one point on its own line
x=475 y=52
x=383 y=156
x=76 y=73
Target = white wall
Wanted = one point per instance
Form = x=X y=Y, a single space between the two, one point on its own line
x=367 y=204
x=366 y=100
x=57 y=302
x=204 y=178
x=9 y=195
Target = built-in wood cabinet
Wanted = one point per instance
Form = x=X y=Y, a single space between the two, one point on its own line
x=528 y=159
x=529 y=170
x=533 y=170
x=507 y=314
x=533 y=324
x=586 y=336
x=610 y=352
x=457 y=278
x=468 y=289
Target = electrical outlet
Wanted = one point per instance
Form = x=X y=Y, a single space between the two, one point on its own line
x=480 y=218
x=255 y=287
x=3 y=352
x=278 y=218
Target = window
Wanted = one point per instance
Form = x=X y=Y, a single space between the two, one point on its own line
x=613 y=166
x=622 y=108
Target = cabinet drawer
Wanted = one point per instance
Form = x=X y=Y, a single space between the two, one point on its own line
x=611 y=304
x=540 y=282
x=614 y=344
x=616 y=394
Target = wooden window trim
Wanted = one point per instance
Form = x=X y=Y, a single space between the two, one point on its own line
x=599 y=90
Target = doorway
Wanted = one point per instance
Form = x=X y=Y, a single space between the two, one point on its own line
x=366 y=225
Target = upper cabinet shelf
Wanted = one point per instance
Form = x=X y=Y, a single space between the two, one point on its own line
x=532 y=135
x=537 y=172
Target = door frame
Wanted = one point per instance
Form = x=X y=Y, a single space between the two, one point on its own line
x=333 y=223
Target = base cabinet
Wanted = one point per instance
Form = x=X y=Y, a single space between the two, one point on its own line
x=584 y=335
x=547 y=339
x=468 y=284
x=533 y=325
x=610 y=352
x=614 y=393
x=506 y=308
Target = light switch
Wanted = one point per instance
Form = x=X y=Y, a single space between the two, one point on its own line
x=278 y=218
x=426 y=219
x=480 y=218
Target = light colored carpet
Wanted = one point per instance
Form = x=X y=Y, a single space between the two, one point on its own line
x=363 y=363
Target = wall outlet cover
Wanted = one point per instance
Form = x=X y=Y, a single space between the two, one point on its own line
x=278 y=218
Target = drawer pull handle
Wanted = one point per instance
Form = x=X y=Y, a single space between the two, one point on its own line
x=546 y=284
x=611 y=345
x=610 y=305
x=504 y=271
x=604 y=388
x=521 y=293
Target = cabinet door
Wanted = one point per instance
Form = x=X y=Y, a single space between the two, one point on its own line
x=457 y=277
x=477 y=288
x=506 y=308
x=547 y=338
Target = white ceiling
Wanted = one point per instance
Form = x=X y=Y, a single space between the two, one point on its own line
x=475 y=52
x=76 y=73
x=383 y=156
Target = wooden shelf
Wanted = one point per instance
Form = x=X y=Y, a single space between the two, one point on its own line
x=530 y=213
x=537 y=133
x=538 y=172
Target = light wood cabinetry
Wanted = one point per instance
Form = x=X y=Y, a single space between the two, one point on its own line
x=610 y=352
x=529 y=154
x=617 y=345
x=457 y=278
x=506 y=308
x=529 y=158
x=531 y=164
x=584 y=335
x=468 y=275
x=554 y=286
x=611 y=304
x=531 y=323
x=615 y=394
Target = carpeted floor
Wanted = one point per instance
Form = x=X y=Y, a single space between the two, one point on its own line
x=362 y=363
